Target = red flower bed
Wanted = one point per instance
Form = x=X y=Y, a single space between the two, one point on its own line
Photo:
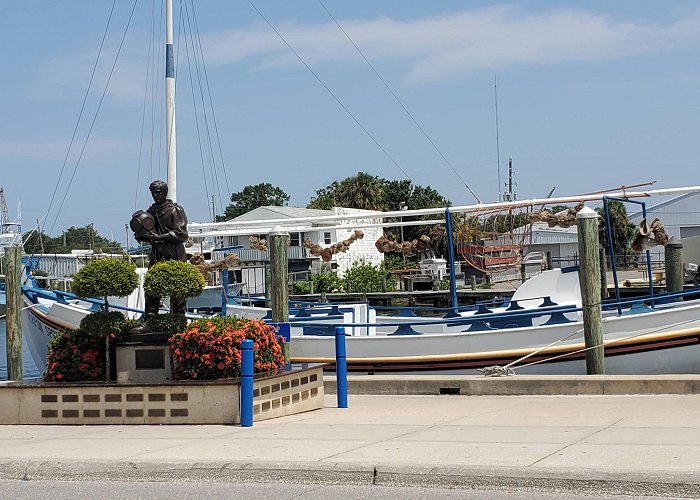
x=75 y=356
x=211 y=348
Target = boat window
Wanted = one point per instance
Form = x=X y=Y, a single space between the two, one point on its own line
x=327 y=238
x=294 y=240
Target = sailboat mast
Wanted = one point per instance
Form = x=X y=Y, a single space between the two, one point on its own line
x=170 y=142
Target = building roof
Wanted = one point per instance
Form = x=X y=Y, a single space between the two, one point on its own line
x=273 y=212
x=664 y=204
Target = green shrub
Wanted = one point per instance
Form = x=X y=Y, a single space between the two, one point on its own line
x=328 y=282
x=168 y=323
x=103 y=323
x=301 y=287
x=363 y=277
x=173 y=278
x=104 y=278
x=398 y=261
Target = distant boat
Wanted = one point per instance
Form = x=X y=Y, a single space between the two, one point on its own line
x=10 y=235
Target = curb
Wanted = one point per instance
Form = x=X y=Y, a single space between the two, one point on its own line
x=512 y=479
x=518 y=385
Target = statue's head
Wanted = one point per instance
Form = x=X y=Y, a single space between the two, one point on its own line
x=159 y=190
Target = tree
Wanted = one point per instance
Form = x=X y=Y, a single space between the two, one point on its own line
x=73 y=238
x=252 y=197
x=363 y=191
x=621 y=229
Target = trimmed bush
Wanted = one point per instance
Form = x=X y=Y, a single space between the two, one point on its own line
x=106 y=277
x=173 y=278
x=168 y=323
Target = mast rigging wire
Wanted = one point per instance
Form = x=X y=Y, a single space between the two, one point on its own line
x=337 y=100
x=396 y=97
x=80 y=114
x=211 y=104
x=97 y=111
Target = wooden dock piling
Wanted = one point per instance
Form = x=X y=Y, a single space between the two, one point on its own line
x=13 y=331
x=589 y=281
x=279 y=293
x=673 y=253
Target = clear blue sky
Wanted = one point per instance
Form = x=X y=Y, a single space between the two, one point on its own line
x=591 y=95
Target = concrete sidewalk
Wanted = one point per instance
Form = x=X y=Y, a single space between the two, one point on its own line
x=631 y=444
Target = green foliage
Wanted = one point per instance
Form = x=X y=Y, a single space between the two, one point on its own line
x=323 y=282
x=73 y=238
x=173 y=278
x=363 y=277
x=443 y=284
x=127 y=326
x=370 y=192
x=103 y=323
x=327 y=282
x=106 y=277
x=396 y=261
x=621 y=228
x=252 y=197
x=301 y=287
x=168 y=323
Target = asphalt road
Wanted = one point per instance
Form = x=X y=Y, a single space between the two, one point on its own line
x=92 y=490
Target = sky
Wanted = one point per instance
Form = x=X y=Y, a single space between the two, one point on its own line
x=591 y=95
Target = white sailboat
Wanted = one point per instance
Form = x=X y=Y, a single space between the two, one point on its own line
x=540 y=331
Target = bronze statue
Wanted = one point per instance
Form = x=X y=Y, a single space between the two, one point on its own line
x=164 y=226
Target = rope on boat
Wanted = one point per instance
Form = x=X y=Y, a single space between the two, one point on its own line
x=499 y=371
x=612 y=342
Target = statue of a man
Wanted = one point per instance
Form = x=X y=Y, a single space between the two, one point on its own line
x=164 y=226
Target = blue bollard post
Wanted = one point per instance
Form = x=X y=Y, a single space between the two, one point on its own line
x=247 y=383
x=341 y=367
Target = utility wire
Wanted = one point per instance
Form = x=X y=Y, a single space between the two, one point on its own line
x=80 y=114
x=340 y=103
x=396 y=97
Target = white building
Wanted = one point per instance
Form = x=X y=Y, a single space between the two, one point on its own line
x=681 y=219
x=301 y=263
x=680 y=215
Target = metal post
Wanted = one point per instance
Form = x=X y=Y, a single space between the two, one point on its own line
x=603 y=274
x=224 y=291
x=279 y=295
x=674 y=265
x=13 y=327
x=589 y=280
x=451 y=259
x=247 y=383
x=341 y=367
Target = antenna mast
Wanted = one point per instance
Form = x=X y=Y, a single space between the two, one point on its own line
x=498 y=148
x=4 y=212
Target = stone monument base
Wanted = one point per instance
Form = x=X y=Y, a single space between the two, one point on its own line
x=143 y=362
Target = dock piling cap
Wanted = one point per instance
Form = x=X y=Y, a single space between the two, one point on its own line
x=278 y=231
x=587 y=213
